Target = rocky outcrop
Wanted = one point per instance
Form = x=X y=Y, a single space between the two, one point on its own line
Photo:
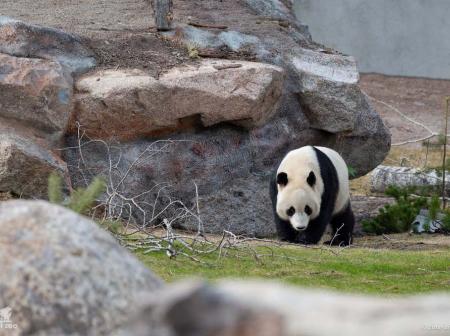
x=62 y=274
x=237 y=308
x=320 y=104
x=321 y=91
x=35 y=92
x=131 y=104
x=36 y=100
x=26 y=40
x=225 y=124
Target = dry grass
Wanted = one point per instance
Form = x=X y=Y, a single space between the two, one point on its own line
x=4 y=196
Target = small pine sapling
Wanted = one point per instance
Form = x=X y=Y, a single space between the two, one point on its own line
x=351 y=172
x=398 y=217
x=81 y=200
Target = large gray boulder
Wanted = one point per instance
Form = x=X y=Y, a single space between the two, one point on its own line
x=238 y=308
x=321 y=90
x=36 y=92
x=64 y=275
x=21 y=39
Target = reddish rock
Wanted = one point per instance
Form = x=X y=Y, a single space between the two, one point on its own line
x=26 y=161
x=129 y=104
x=35 y=92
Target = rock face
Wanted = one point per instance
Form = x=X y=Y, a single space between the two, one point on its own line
x=242 y=93
x=35 y=92
x=62 y=274
x=236 y=308
x=25 y=40
x=328 y=90
x=26 y=162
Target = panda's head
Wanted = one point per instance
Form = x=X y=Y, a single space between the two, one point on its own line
x=297 y=201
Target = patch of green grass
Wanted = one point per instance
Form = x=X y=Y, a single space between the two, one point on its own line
x=358 y=270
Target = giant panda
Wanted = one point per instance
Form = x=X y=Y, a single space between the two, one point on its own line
x=309 y=191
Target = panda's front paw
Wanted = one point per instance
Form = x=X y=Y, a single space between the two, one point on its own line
x=303 y=240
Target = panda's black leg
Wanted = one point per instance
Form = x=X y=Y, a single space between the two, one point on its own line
x=342 y=225
x=315 y=230
x=285 y=230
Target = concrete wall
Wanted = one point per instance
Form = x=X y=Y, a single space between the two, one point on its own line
x=394 y=37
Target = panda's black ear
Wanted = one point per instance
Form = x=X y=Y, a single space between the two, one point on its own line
x=282 y=179
x=311 y=179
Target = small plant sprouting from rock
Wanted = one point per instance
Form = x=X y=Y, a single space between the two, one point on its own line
x=81 y=200
x=192 y=51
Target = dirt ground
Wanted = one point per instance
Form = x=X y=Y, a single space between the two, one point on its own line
x=122 y=32
x=405 y=241
x=418 y=98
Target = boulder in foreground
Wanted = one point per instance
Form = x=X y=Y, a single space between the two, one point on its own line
x=62 y=274
x=238 y=308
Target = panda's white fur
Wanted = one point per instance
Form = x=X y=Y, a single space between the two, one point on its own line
x=298 y=164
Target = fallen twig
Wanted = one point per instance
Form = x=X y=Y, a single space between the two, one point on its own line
x=206 y=25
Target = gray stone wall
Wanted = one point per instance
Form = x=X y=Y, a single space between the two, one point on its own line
x=401 y=37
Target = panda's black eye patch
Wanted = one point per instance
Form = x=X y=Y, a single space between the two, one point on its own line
x=282 y=179
x=311 y=179
x=290 y=212
x=308 y=210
